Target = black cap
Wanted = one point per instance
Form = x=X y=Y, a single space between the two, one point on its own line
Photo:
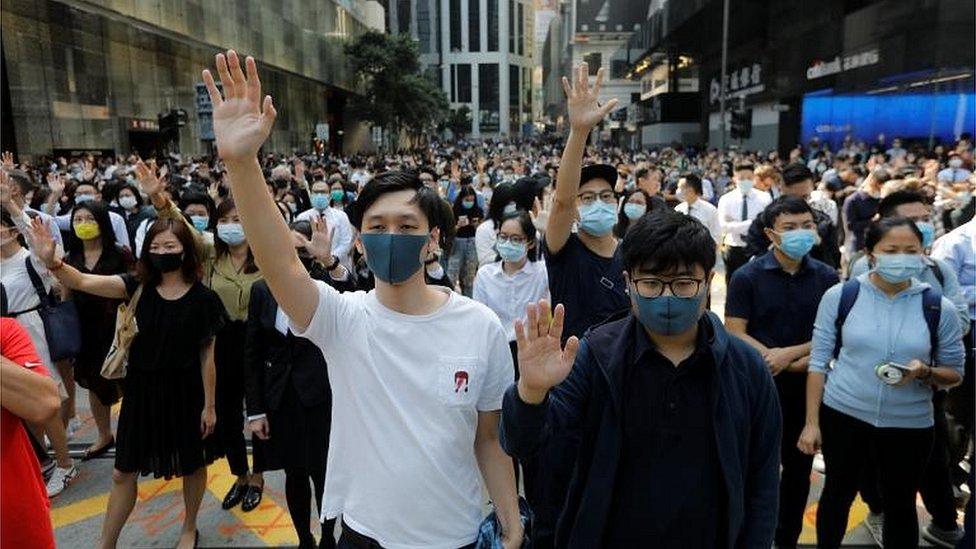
x=598 y=171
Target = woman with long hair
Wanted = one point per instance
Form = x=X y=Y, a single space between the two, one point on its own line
x=632 y=206
x=169 y=411
x=231 y=276
x=91 y=249
x=463 y=262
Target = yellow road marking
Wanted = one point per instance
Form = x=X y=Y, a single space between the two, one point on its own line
x=270 y=522
x=859 y=511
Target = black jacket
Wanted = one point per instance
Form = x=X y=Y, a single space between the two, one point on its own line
x=272 y=359
x=827 y=250
x=585 y=408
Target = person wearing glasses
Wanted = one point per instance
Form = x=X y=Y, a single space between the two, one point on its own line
x=675 y=425
x=585 y=270
x=772 y=303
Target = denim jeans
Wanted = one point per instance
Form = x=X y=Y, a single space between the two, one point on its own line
x=463 y=264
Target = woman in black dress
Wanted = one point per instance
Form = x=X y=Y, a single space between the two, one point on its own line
x=168 y=413
x=91 y=249
x=287 y=386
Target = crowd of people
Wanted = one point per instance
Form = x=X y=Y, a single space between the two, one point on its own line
x=399 y=332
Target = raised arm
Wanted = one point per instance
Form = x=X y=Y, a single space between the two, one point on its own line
x=585 y=112
x=241 y=125
x=110 y=286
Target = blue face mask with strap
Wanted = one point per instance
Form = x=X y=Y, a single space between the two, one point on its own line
x=230 y=233
x=668 y=314
x=928 y=233
x=598 y=218
x=393 y=258
x=897 y=268
x=320 y=201
x=200 y=222
x=797 y=243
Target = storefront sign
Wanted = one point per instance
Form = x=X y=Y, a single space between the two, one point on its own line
x=205 y=111
x=739 y=82
x=143 y=125
x=819 y=69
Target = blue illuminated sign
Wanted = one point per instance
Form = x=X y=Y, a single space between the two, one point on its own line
x=911 y=116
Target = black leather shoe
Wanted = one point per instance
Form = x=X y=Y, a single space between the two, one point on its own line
x=234 y=496
x=252 y=498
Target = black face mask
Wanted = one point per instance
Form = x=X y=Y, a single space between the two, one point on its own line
x=166 y=263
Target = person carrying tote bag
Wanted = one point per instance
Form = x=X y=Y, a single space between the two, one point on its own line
x=126 y=329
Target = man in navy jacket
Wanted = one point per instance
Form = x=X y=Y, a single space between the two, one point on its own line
x=675 y=424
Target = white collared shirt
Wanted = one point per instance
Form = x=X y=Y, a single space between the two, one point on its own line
x=706 y=213
x=730 y=214
x=508 y=294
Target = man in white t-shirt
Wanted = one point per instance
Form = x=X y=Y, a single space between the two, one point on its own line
x=417 y=372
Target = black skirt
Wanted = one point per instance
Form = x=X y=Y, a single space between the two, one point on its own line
x=299 y=434
x=159 y=425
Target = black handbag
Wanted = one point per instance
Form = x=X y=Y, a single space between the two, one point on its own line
x=62 y=328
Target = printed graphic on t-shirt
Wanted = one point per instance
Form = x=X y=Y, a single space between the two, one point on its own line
x=458 y=381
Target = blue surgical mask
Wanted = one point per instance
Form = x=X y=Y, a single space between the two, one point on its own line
x=634 y=211
x=598 y=218
x=510 y=251
x=82 y=198
x=393 y=258
x=200 y=222
x=797 y=243
x=467 y=204
x=745 y=185
x=896 y=268
x=231 y=233
x=338 y=195
x=928 y=233
x=668 y=314
x=320 y=201
x=510 y=209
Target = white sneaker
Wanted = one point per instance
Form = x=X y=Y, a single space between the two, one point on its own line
x=819 y=465
x=874 y=522
x=60 y=479
x=73 y=425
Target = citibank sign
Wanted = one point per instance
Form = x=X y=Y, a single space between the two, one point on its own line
x=840 y=64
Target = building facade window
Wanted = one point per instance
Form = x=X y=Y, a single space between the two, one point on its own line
x=493 y=25
x=453 y=83
x=593 y=60
x=520 y=25
x=511 y=26
x=463 y=83
x=488 y=120
x=424 y=26
x=455 y=24
x=474 y=25
x=403 y=16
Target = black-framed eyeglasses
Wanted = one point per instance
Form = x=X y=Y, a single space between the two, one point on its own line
x=514 y=239
x=679 y=287
x=609 y=197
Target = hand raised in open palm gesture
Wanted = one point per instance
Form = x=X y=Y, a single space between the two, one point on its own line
x=542 y=363
x=242 y=122
x=585 y=110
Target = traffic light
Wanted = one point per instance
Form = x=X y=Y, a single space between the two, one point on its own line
x=741 y=124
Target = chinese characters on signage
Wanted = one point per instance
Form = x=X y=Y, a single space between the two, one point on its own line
x=838 y=64
x=739 y=82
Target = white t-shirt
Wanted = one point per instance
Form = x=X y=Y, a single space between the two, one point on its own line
x=406 y=395
x=21 y=296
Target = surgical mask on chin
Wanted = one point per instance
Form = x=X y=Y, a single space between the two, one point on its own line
x=393 y=258
x=598 y=218
x=668 y=314
x=897 y=268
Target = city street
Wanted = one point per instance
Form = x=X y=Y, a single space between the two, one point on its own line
x=77 y=514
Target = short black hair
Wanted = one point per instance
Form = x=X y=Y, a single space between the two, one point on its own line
x=194 y=197
x=503 y=194
x=641 y=173
x=694 y=182
x=22 y=179
x=785 y=205
x=665 y=240
x=888 y=204
x=880 y=227
x=395 y=181
x=740 y=166
x=796 y=173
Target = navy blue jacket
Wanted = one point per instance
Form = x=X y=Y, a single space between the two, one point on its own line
x=585 y=408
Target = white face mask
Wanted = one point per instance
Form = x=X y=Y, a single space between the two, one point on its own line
x=955 y=162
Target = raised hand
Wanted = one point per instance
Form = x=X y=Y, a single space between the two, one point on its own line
x=242 y=122
x=42 y=243
x=320 y=246
x=151 y=183
x=7 y=160
x=585 y=110
x=542 y=364
x=55 y=181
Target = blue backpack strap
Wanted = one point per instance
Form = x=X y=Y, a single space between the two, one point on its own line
x=848 y=295
x=932 y=310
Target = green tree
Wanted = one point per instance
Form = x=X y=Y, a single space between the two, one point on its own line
x=459 y=121
x=393 y=95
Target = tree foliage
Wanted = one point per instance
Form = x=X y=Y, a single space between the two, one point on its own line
x=459 y=121
x=394 y=95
